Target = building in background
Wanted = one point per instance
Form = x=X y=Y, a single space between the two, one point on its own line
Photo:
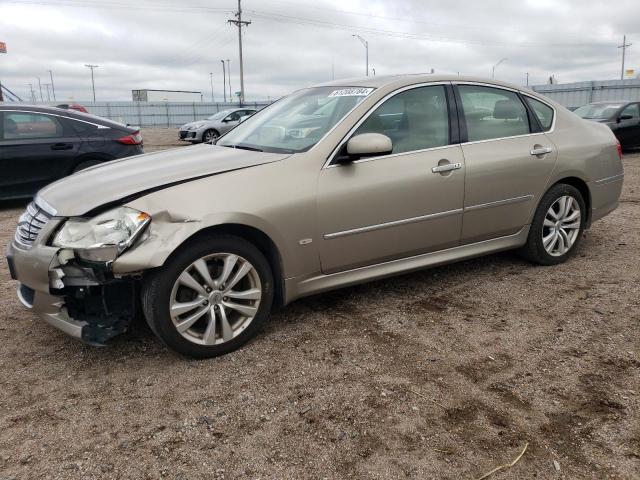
x=165 y=96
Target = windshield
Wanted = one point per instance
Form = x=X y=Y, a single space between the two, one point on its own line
x=220 y=115
x=297 y=122
x=598 y=110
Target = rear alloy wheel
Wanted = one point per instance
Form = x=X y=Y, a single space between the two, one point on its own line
x=210 y=298
x=557 y=226
x=210 y=136
x=561 y=226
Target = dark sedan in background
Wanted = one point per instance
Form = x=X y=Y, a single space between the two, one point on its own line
x=41 y=144
x=622 y=117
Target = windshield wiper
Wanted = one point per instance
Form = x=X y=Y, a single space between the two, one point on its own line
x=244 y=147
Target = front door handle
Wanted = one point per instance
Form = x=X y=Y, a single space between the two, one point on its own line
x=447 y=167
x=61 y=146
x=541 y=151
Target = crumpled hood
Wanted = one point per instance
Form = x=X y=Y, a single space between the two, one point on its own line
x=117 y=179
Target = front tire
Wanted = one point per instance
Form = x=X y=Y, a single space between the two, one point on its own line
x=210 y=135
x=210 y=298
x=557 y=226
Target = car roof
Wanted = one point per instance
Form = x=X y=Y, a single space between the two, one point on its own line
x=73 y=114
x=414 y=78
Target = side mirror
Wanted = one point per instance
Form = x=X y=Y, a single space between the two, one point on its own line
x=366 y=145
x=625 y=117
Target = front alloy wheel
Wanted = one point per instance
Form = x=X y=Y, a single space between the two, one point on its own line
x=210 y=297
x=210 y=136
x=215 y=298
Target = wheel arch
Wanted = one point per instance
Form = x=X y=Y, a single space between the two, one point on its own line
x=88 y=157
x=582 y=187
x=259 y=239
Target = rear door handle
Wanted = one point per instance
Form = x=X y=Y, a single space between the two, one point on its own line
x=541 y=151
x=447 y=167
x=61 y=146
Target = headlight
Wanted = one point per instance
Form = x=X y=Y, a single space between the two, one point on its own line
x=196 y=126
x=104 y=237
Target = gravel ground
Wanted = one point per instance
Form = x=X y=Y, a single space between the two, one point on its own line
x=440 y=374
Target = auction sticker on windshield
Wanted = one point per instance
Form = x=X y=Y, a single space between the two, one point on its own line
x=351 y=92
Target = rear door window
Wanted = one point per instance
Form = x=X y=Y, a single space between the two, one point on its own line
x=492 y=113
x=543 y=112
x=27 y=125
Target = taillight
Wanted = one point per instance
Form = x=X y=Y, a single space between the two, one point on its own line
x=619 y=150
x=134 y=139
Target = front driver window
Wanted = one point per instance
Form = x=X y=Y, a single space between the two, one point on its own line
x=415 y=119
x=235 y=116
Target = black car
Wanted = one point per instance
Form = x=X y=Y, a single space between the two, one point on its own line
x=622 y=117
x=41 y=144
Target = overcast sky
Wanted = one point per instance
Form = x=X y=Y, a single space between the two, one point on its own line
x=174 y=44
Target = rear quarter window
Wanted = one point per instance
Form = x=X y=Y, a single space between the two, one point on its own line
x=543 y=112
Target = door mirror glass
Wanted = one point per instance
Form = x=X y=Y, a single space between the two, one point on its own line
x=368 y=145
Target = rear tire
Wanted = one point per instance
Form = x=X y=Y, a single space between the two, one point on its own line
x=86 y=164
x=228 y=314
x=557 y=226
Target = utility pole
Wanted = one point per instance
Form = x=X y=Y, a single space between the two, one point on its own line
x=240 y=23
x=40 y=88
x=527 y=79
x=53 y=89
x=211 y=78
x=229 y=78
x=93 y=85
x=224 y=82
x=624 y=47
x=366 y=47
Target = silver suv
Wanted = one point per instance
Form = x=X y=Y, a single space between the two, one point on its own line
x=331 y=186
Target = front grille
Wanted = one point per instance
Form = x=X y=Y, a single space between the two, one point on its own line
x=183 y=133
x=30 y=224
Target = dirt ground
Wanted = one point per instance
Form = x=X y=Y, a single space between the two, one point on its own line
x=441 y=374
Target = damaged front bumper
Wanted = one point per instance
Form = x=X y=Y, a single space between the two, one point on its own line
x=82 y=299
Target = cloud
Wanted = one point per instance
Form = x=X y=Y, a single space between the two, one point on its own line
x=289 y=45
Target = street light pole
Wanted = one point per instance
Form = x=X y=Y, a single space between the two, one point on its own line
x=224 y=82
x=229 y=78
x=493 y=73
x=53 y=89
x=40 y=88
x=211 y=78
x=93 y=85
x=366 y=47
